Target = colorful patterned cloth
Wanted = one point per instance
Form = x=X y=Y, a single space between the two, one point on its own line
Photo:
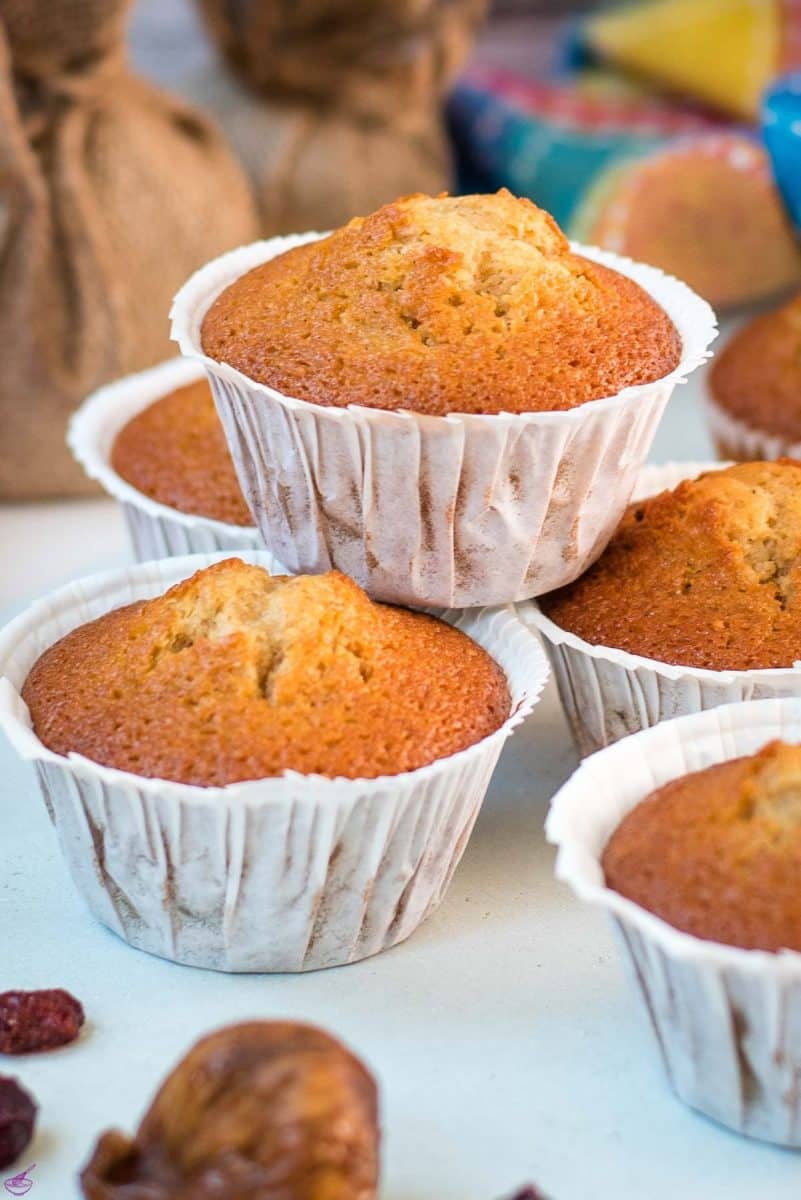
x=781 y=124
x=550 y=141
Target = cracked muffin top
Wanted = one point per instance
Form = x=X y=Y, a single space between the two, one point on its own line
x=175 y=452
x=757 y=376
x=464 y=304
x=235 y=674
x=705 y=575
x=718 y=853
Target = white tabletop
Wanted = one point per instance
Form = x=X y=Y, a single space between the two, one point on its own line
x=507 y=1041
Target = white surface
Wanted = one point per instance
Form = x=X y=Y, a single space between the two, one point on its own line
x=506 y=1040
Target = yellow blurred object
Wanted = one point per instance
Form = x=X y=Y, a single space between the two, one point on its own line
x=723 y=52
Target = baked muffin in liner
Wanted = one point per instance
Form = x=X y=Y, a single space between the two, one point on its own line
x=751 y=390
x=156 y=530
x=727 y=1020
x=608 y=693
x=447 y=510
x=288 y=873
x=735 y=440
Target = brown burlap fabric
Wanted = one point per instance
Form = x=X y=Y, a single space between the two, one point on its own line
x=111 y=193
x=338 y=108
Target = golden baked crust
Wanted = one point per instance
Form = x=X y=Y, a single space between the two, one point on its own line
x=757 y=376
x=175 y=452
x=234 y=674
x=718 y=853
x=704 y=576
x=469 y=304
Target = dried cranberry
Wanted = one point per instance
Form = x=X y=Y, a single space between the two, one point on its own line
x=17 y=1119
x=38 y=1020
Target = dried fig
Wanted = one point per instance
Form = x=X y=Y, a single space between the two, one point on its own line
x=259 y=1111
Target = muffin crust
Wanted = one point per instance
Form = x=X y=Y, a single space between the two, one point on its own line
x=718 y=853
x=175 y=452
x=469 y=304
x=704 y=576
x=234 y=674
x=757 y=376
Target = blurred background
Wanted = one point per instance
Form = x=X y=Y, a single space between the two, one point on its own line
x=143 y=137
x=169 y=42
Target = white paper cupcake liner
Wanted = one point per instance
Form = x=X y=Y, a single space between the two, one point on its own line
x=457 y=510
x=727 y=1021
x=156 y=530
x=737 y=440
x=608 y=693
x=281 y=874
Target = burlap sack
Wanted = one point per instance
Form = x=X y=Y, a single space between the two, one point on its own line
x=111 y=193
x=335 y=105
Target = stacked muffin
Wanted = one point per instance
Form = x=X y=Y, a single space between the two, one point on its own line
x=442 y=403
x=443 y=399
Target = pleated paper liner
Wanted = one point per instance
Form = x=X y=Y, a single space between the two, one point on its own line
x=735 y=440
x=727 y=1021
x=156 y=530
x=608 y=693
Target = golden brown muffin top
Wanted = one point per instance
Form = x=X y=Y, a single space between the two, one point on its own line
x=757 y=376
x=235 y=674
x=470 y=304
x=706 y=575
x=718 y=853
x=175 y=452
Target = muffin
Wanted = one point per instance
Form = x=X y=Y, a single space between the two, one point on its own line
x=691 y=605
x=454 y=304
x=704 y=208
x=149 y=688
x=754 y=387
x=717 y=852
x=175 y=452
x=155 y=443
x=237 y=674
x=702 y=576
x=687 y=834
x=437 y=398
